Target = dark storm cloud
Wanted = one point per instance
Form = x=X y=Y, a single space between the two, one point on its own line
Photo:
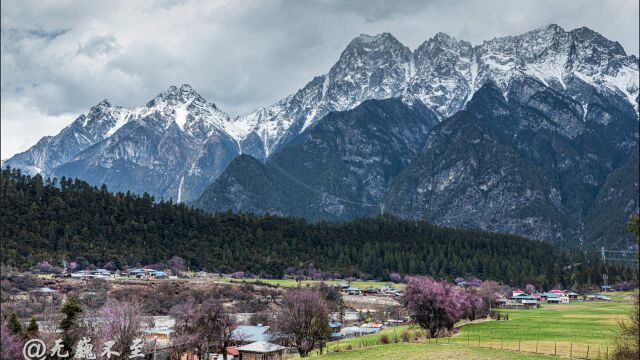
x=60 y=58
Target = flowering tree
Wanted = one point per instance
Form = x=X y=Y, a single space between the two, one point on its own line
x=238 y=275
x=122 y=322
x=72 y=266
x=472 y=305
x=434 y=305
x=489 y=291
x=304 y=318
x=45 y=267
x=10 y=344
x=395 y=277
x=203 y=327
x=530 y=289
x=177 y=265
x=111 y=266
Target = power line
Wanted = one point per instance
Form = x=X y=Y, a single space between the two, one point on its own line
x=381 y=206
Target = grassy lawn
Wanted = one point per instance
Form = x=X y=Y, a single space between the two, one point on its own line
x=293 y=283
x=569 y=329
x=415 y=351
x=577 y=329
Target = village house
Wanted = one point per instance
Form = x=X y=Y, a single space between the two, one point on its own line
x=261 y=350
x=353 y=291
x=526 y=300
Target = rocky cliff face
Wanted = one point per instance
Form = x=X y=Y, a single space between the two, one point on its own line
x=338 y=169
x=530 y=163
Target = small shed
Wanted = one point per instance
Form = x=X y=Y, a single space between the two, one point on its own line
x=262 y=350
x=335 y=326
x=552 y=298
x=353 y=291
x=159 y=274
x=572 y=296
x=232 y=352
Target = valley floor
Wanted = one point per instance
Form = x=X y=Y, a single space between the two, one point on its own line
x=577 y=330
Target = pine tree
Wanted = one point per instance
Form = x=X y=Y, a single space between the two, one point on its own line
x=70 y=309
x=32 y=329
x=15 y=327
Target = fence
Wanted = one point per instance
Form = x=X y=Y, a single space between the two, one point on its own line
x=575 y=350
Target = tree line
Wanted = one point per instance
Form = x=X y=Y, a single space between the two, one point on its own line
x=51 y=220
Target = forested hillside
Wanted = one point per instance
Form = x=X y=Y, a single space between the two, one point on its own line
x=50 y=220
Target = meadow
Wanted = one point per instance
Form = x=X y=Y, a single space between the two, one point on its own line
x=579 y=330
x=294 y=283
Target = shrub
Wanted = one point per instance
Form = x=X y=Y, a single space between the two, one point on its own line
x=405 y=336
x=384 y=340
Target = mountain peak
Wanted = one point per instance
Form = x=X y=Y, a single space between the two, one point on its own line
x=368 y=39
x=591 y=38
x=104 y=103
x=372 y=43
x=103 y=106
x=174 y=95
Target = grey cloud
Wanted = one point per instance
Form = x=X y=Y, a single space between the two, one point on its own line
x=240 y=54
x=99 y=45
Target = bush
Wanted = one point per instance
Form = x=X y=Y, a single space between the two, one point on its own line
x=419 y=334
x=384 y=340
x=405 y=336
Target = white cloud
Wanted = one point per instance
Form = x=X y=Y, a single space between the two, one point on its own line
x=28 y=125
x=60 y=58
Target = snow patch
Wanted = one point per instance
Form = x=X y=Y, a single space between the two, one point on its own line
x=181 y=114
x=180 y=189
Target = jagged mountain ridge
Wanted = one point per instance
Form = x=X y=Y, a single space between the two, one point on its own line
x=442 y=73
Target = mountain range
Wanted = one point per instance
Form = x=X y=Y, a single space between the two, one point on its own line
x=533 y=134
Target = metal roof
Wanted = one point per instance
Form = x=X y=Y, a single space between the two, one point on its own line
x=261 y=347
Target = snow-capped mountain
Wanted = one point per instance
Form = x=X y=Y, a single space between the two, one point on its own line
x=443 y=73
x=99 y=123
x=178 y=143
x=172 y=147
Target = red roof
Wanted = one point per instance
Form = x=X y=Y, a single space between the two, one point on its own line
x=556 y=291
x=233 y=350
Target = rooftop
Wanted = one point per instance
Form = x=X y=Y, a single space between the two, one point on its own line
x=261 y=347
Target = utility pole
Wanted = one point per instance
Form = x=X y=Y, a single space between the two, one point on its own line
x=604 y=257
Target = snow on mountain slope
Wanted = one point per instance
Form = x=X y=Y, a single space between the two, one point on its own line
x=183 y=106
x=443 y=73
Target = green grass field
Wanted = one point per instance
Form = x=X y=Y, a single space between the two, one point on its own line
x=420 y=351
x=579 y=329
x=293 y=283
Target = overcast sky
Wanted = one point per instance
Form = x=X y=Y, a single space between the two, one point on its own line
x=59 y=58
